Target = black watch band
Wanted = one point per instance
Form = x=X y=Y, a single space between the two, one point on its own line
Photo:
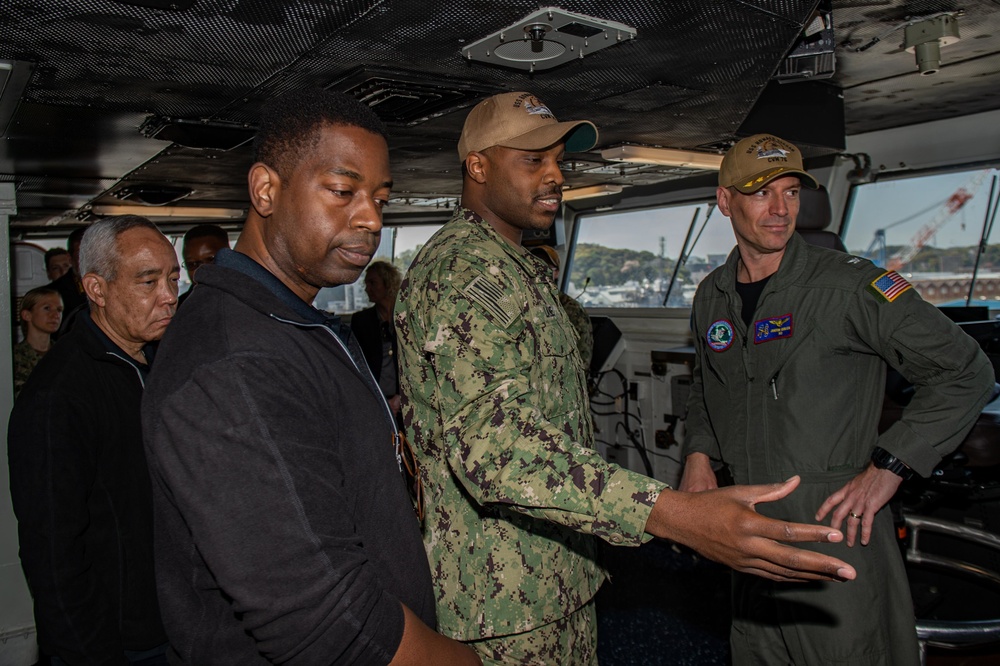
x=882 y=459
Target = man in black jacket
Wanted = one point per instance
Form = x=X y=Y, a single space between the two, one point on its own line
x=78 y=477
x=284 y=532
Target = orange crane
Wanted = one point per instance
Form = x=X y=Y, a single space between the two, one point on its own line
x=952 y=205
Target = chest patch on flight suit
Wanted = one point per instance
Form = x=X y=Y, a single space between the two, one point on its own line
x=772 y=328
x=889 y=286
x=720 y=335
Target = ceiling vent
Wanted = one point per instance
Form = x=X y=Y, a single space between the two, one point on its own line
x=409 y=100
x=210 y=134
x=153 y=195
x=547 y=38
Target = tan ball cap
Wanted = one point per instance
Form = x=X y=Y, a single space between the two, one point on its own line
x=521 y=120
x=757 y=160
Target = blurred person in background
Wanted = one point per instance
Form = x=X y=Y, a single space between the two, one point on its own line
x=41 y=312
x=201 y=244
x=375 y=331
x=58 y=262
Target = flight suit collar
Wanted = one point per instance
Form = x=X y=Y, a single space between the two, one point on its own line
x=794 y=261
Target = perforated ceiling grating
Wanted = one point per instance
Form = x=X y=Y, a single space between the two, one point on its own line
x=691 y=77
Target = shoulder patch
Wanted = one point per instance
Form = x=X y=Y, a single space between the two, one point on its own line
x=492 y=298
x=889 y=286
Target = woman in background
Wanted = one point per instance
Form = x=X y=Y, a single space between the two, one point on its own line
x=41 y=313
x=375 y=331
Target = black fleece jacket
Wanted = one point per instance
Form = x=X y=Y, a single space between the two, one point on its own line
x=284 y=531
x=81 y=494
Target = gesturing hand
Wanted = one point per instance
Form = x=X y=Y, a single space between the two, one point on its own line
x=859 y=501
x=723 y=525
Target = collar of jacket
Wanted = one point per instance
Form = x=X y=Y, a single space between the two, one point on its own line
x=531 y=264
x=793 y=262
x=94 y=342
x=276 y=301
x=97 y=343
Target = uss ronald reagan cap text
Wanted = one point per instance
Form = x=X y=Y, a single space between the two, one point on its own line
x=521 y=120
x=757 y=160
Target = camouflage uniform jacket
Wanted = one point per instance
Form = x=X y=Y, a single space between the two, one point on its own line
x=580 y=320
x=494 y=398
x=25 y=360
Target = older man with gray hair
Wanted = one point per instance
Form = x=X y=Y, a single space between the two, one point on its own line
x=78 y=475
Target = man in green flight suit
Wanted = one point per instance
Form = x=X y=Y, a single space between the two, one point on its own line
x=495 y=399
x=792 y=342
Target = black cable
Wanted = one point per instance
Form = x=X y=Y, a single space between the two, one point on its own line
x=626 y=414
x=603 y=413
x=654 y=453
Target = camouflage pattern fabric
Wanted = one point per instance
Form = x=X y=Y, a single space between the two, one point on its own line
x=569 y=641
x=495 y=402
x=580 y=320
x=25 y=360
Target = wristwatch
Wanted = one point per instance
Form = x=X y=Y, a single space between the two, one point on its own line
x=882 y=459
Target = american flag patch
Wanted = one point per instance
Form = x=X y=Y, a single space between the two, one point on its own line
x=494 y=301
x=889 y=286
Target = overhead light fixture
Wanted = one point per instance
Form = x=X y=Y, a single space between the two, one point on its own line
x=186 y=212
x=14 y=75
x=688 y=159
x=925 y=39
x=590 y=191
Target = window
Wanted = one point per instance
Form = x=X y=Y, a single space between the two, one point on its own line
x=399 y=245
x=627 y=260
x=929 y=229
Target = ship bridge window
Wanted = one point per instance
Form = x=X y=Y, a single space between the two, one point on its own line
x=648 y=258
x=399 y=245
x=930 y=229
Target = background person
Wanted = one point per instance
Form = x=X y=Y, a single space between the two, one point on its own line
x=58 y=262
x=779 y=319
x=70 y=285
x=41 y=312
x=200 y=245
x=375 y=331
x=78 y=479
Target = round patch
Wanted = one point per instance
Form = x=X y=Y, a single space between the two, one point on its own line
x=720 y=335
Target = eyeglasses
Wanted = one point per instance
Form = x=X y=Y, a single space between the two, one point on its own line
x=414 y=484
x=192 y=266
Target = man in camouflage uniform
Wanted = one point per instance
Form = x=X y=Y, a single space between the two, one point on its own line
x=494 y=397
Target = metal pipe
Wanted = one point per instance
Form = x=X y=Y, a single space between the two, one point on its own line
x=943 y=633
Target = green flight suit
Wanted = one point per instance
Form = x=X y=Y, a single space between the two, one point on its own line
x=800 y=392
x=494 y=400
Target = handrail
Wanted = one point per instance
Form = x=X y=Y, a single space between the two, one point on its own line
x=953 y=634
